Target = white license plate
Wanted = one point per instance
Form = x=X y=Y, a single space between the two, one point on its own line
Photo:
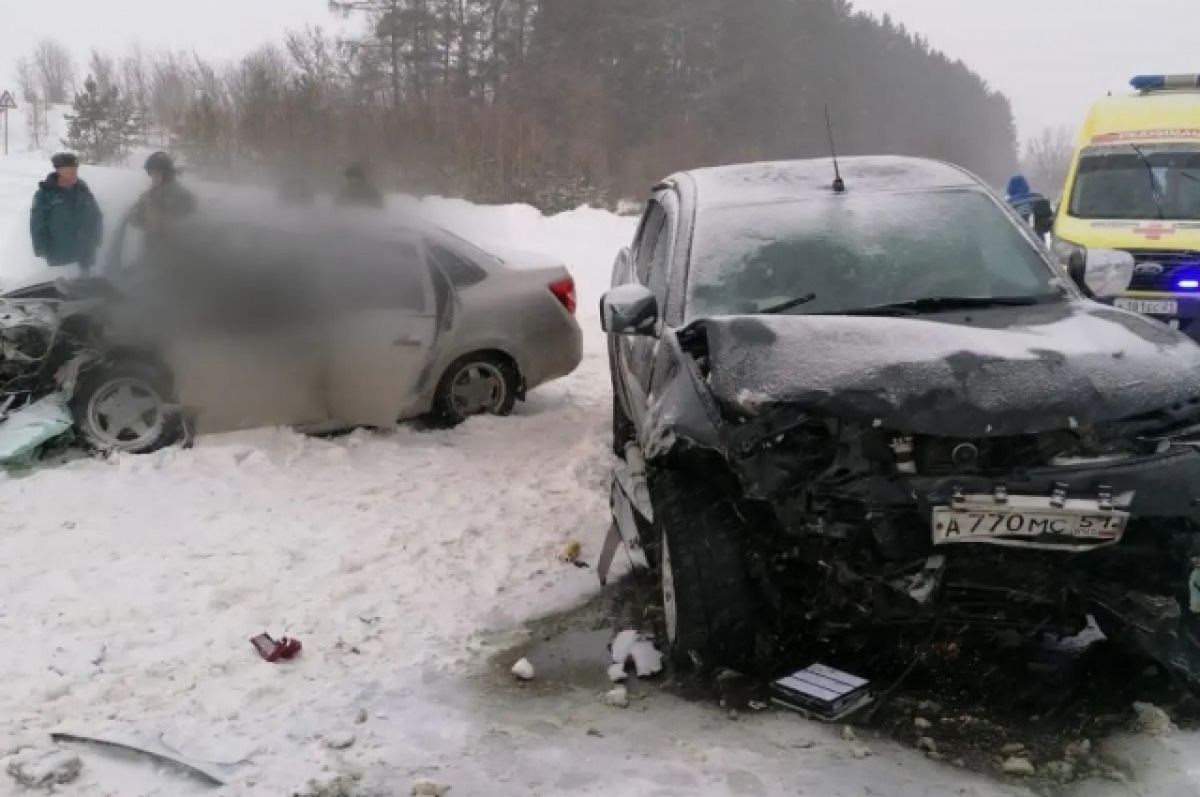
x=1149 y=306
x=1029 y=521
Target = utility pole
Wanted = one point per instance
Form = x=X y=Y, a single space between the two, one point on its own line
x=7 y=103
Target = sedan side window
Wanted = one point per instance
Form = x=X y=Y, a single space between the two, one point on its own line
x=461 y=271
x=652 y=229
x=378 y=276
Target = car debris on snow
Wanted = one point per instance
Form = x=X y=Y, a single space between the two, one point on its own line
x=617 y=697
x=24 y=431
x=1018 y=765
x=1152 y=720
x=647 y=659
x=425 y=787
x=192 y=770
x=617 y=673
x=35 y=768
x=822 y=692
x=272 y=650
x=523 y=669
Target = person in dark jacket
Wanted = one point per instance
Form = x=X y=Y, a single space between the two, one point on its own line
x=65 y=222
x=165 y=200
x=359 y=190
x=1031 y=206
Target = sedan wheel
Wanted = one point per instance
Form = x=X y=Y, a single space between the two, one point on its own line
x=478 y=388
x=125 y=414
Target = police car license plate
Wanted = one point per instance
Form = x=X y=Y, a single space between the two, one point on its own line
x=1028 y=521
x=1149 y=306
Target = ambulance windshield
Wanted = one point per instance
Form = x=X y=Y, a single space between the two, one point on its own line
x=1145 y=181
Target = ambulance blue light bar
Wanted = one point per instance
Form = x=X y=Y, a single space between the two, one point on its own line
x=1165 y=82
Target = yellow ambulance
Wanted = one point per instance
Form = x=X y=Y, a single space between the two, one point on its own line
x=1134 y=185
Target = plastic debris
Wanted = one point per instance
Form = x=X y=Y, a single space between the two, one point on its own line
x=523 y=669
x=822 y=692
x=26 y=430
x=617 y=697
x=428 y=788
x=41 y=768
x=272 y=650
x=1017 y=765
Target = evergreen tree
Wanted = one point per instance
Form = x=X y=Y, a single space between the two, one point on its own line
x=104 y=127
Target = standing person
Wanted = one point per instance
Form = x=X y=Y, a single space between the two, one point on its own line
x=165 y=200
x=1031 y=206
x=65 y=222
x=359 y=190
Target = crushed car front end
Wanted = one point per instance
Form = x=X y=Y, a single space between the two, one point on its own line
x=938 y=490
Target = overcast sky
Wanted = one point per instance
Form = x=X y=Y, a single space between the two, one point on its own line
x=1051 y=57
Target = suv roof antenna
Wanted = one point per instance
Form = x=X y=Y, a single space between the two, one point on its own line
x=839 y=185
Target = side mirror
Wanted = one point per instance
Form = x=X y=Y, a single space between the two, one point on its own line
x=629 y=310
x=1101 y=273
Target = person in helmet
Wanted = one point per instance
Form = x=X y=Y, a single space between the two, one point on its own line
x=165 y=200
x=1031 y=206
x=65 y=222
x=359 y=190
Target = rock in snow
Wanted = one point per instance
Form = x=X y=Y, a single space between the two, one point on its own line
x=523 y=670
x=38 y=768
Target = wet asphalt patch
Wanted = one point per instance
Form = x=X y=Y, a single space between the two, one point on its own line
x=971 y=700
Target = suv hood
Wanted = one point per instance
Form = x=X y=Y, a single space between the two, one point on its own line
x=1003 y=371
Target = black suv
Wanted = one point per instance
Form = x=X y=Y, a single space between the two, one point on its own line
x=848 y=406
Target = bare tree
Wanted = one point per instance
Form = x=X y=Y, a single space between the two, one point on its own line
x=1047 y=159
x=103 y=69
x=55 y=71
x=35 y=107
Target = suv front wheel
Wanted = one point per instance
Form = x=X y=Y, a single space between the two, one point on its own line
x=709 y=606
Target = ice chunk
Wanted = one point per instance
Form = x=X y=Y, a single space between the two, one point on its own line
x=523 y=669
x=37 y=768
x=647 y=659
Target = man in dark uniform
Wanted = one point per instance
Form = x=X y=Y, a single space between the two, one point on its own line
x=165 y=200
x=65 y=222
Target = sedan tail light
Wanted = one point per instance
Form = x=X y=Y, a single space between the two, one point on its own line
x=564 y=291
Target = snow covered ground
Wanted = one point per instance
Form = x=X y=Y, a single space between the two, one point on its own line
x=129 y=589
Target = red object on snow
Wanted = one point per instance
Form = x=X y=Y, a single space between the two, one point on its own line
x=272 y=650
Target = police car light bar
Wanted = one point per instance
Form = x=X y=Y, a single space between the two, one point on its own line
x=1165 y=82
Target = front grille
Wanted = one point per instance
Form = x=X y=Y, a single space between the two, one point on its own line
x=1174 y=264
x=938 y=456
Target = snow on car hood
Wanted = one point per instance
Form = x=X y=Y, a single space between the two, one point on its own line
x=991 y=372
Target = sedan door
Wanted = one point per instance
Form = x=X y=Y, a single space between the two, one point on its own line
x=379 y=334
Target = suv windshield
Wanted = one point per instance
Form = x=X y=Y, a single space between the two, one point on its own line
x=847 y=253
x=1144 y=183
